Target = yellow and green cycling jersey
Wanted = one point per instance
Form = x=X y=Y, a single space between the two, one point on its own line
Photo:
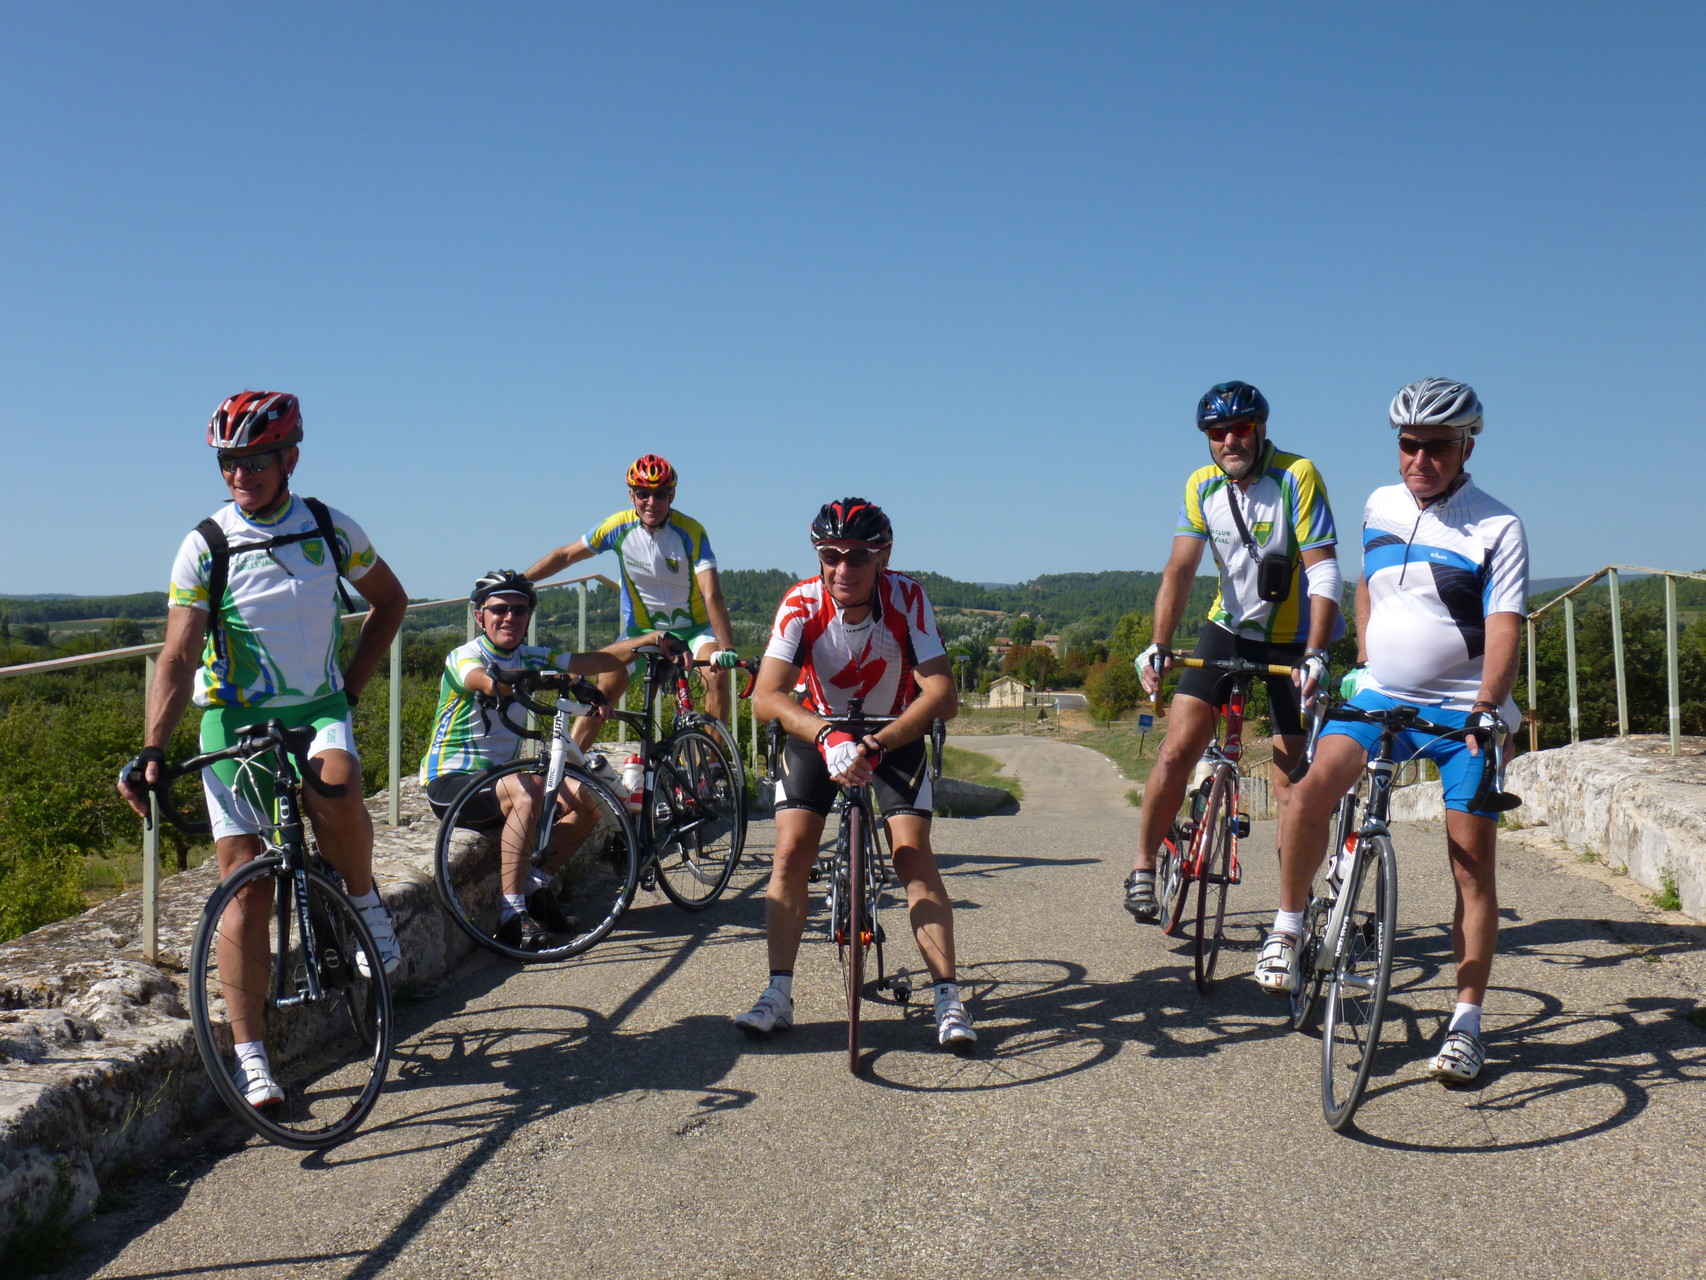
x=660 y=583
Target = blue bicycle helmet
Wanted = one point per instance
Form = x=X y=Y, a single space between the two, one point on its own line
x=1228 y=404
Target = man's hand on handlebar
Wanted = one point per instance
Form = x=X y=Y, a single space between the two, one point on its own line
x=850 y=761
x=1151 y=664
x=1310 y=675
x=1488 y=726
x=675 y=649
x=139 y=774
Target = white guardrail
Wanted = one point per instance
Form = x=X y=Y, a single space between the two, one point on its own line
x=394 y=714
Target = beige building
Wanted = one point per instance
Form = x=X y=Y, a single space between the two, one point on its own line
x=1007 y=691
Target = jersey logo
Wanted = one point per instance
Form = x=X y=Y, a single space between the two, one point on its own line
x=315 y=550
x=1261 y=529
x=673 y=563
x=860 y=676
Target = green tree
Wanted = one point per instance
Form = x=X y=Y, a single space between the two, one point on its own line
x=1132 y=634
x=1112 y=689
x=1022 y=630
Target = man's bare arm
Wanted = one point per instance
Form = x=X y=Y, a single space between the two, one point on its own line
x=559 y=560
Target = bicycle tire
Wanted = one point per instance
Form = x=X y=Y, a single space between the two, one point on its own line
x=1171 y=883
x=853 y=955
x=693 y=819
x=731 y=753
x=1316 y=912
x=593 y=888
x=349 y=1026
x=1214 y=870
x=1360 y=978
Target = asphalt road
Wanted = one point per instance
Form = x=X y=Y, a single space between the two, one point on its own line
x=603 y=1119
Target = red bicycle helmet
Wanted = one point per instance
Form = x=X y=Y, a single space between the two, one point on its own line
x=651 y=472
x=251 y=419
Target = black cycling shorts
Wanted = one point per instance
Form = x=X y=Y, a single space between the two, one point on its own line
x=481 y=813
x=1212 y=687
x=900 y=784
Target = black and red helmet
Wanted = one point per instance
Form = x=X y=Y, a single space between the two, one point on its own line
x=251 y=419
x=852 y=520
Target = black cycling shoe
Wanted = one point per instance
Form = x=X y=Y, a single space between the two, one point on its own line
x=522 y=932
x=543 y=906
x=1140 y=898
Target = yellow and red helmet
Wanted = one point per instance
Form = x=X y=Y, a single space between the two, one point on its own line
x=651 y=472
x=251 y=419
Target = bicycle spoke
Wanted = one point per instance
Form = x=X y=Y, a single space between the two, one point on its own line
x=1360 y=976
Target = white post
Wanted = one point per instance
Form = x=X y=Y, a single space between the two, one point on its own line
x=1617 y=657
x=1674 y=683
x=1570 y=663
x=150 y=849
x=394 y=728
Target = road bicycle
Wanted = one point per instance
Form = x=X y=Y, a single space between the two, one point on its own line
x=1351 y=920
x=684 y=837
x=860 y=874
x=1202 y=847
x=311 y=968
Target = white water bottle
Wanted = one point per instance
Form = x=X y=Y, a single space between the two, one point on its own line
x=634 y=782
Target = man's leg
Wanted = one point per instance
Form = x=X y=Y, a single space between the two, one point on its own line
x=612 y=684
x=715 y=680
x=798 y=832
x=1190 y=725
x=927 y=902
x=1288 y=754
x=518 y=797
x=244 y=951
x=1471 y=842
x=342 y=825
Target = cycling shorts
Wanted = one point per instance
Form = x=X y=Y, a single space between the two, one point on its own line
x=242 y=805
x=481 y=813
x=1213 y=687
x=693 y=637
x=1459 y=771
x=900 y=784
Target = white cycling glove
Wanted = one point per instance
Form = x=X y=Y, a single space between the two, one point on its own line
x=1314 y=668
x=839 y=756
x=1150 y=663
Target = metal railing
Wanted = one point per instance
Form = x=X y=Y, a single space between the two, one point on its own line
x=1611 y=573
x=394 y=714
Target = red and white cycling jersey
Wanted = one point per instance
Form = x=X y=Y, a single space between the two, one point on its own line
x=873 y=659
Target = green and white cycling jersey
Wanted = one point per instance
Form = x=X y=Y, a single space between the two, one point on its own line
x=660 y=586
x=281 y=608
x=469 y=738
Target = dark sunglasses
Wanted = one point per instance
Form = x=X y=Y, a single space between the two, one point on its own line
x=251 y=462
x=1238 y=430
x=504 y=610
x=641 y=495
x=1409 y=446
x=855 y=558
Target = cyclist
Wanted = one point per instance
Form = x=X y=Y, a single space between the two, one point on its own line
x=1439 y=622
x=470 y=737
x=1264 y=514
x=669 y=581
x=857 y=629
x=253 y=623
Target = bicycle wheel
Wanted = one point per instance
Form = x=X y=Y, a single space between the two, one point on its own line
x=1170 y=879
x=1361 y=974
x=731 y=753
x=590 y=889
x=329 y=1049
x=694 y=819
x=1323 y=889
x=858 y=928
x=1214 y=874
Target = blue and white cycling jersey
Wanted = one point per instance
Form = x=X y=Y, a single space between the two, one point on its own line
x=1434 y=574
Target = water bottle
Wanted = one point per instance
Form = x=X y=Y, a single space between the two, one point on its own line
x=634 y=782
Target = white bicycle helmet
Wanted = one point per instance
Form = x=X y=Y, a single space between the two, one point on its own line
x=1438 y=402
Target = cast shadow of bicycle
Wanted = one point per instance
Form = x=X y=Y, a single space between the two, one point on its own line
x=1554 y=1074
x=1042 y=1019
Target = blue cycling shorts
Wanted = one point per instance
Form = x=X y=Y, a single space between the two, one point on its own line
x=1459 y=771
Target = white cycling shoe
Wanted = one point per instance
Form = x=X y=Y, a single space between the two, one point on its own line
x=1276 y=967
x=773 y=1012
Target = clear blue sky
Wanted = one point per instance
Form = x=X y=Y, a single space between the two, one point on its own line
x=976 y=262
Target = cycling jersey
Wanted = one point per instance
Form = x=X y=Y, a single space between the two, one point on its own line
x=281 y=608
x=1285 y=509
x=660 y=584
x=466 y=737
x=873 y=659
x=1434 y=574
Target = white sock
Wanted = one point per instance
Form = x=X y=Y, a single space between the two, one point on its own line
x=1289 y=922
x=783 y=982
x=514 y=904
x=252 y=1051
x=369 y=899
x=1466 y=1017
x=949 y=990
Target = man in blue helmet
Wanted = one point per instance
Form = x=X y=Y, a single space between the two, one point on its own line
x=1264 y=514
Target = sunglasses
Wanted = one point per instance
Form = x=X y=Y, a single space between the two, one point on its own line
x=504 y=610
x=1237 y=431
x=251 y=462
x=645 y=495
x=855 y=558
x=1409 y=446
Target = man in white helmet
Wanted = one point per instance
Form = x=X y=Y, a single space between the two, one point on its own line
x=1440 y=606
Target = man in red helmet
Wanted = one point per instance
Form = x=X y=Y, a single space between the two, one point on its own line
x=669 y=581
x=252 y=629
x=856 y=630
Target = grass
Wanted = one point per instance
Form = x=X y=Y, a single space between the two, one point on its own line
x=1667 y=898
x=975 y=767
